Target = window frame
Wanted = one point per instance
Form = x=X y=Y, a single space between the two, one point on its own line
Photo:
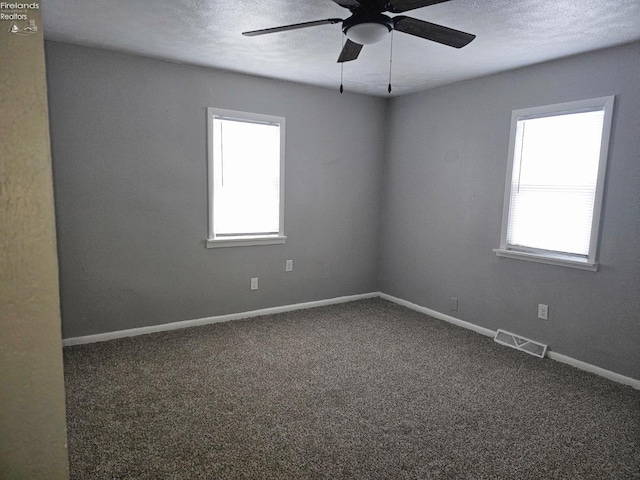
x=547 y=256
x=244 y=240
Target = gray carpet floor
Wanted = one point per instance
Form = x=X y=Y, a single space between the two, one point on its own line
x=363 y=390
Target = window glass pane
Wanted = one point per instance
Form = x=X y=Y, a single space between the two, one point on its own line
x=246 y=164
x=555 y=171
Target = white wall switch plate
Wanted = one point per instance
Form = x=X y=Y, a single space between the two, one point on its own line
x=254 y=283
x=543 y=311
x=288 y=266
x=453 y=304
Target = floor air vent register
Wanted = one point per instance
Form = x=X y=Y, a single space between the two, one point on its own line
x=520 y=343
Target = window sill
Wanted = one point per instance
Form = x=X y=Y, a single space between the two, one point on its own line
x=550 y=259
x=245 y=241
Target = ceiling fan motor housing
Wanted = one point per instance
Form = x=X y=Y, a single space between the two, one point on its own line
x=366 y=27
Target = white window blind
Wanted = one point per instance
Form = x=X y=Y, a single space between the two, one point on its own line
x=553 y=187
x=247 y=178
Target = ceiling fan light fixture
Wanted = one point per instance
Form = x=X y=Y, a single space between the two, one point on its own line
x=367 y=33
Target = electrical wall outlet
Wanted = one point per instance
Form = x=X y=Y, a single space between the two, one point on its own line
x=543 y=311
x=254 y=283
x=453 y=304
x=288 y=266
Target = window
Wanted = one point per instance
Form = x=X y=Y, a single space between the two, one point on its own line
x=246 y=178
x=555 y=178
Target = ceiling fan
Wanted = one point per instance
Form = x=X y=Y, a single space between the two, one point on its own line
x=368 y=24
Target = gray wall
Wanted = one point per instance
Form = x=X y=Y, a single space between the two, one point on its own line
x=443 y=195
x=128 y=138
x=129 y=149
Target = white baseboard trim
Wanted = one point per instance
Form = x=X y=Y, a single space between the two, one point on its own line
x=558 y=357
x=587 y=367
x=103 y=337
x=132 y=332
x=439 y=316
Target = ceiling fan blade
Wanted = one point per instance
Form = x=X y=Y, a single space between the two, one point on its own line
x=349 y=52
x=399 y=6
x=431 y=31
x=347 y=3
x=293 y=26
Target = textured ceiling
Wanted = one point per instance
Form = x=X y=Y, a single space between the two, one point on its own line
x=510 y=34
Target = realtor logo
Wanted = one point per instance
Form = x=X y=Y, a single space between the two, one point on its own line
x=17 y=16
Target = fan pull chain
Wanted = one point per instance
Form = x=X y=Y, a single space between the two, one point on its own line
x=341 y=63
x=390 y=61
